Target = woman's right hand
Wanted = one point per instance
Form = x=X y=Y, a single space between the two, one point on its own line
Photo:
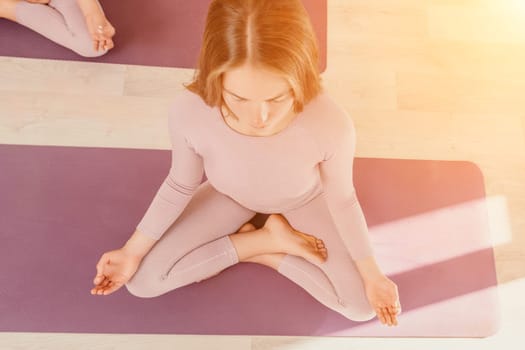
x=114 y=269
x=101 y=30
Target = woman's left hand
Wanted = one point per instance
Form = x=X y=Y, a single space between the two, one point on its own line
x=101 y=31
x=383 y=296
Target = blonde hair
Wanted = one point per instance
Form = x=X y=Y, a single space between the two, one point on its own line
x=272 y=34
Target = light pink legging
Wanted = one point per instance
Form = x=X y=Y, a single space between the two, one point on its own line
x=61 y=21
x=197 y=247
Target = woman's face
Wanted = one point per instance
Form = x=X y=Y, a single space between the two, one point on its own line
x=259 y=98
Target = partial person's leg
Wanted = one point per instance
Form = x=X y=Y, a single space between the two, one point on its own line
x=60 y=21
x=336 y=283
x=8 y=9
x=195 y=247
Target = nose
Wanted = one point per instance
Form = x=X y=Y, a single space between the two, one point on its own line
x=261 y=114
x=264 y=112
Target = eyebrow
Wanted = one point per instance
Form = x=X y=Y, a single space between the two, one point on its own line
x=244 y=98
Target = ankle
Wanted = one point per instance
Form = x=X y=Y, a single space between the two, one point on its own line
x=8 y=9
x=270 y=260
x=249 y=244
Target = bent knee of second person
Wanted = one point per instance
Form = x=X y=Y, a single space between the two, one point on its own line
x=358 y=313
x=83 y=45
x=89 y=51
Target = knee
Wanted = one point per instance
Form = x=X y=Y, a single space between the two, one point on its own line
x=144 y=288
x=88 y=51
x=359 y=312
x=82 y=44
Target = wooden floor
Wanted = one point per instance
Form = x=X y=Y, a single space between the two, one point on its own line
x=423 y=79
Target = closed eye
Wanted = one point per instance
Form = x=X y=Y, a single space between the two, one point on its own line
x=235 y=97
x=281 y=99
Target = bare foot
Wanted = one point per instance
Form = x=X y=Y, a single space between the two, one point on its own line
x=272 y=260
x=295 y=242
x=247 y=227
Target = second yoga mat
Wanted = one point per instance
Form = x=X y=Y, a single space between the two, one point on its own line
x=163 y=33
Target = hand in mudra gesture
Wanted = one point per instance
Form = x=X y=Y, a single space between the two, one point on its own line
x=383 y=296
x=114 y=269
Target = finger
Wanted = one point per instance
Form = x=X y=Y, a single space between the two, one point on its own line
x=386 y=313
x=112 y=287
x=100 y=42
x=105 y=283
x=380 y=316
x=100 y=269
x=98 y=285
x=109 y=44
x=392 y=312
x=111 y=31
x=96 y=290
x=108 y=30
x=100 y=264
x=98 y=278
x=102 y=287
x=394 y=319
x=394 y=309
x=106 y=44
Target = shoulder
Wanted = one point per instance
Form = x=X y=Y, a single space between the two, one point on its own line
x=327 y=114
x=328 y=123
x=187 y=108
x=186 y=101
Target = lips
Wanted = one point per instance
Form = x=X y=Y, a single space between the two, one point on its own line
x=259 y=124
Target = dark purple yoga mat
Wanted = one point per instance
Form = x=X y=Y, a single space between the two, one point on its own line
x=61 y=207
x=163 y=33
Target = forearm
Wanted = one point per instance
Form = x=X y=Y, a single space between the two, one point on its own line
x=368 y=269
x=90 y=7
x=139 y=244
